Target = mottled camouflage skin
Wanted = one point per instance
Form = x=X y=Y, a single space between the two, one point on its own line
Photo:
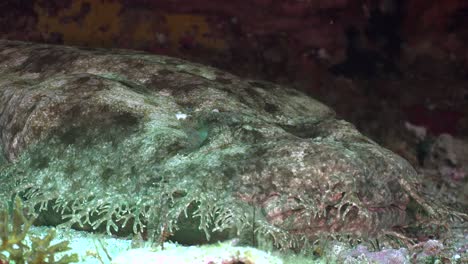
x=179 y=130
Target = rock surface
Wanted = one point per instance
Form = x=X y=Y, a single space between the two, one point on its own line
x=120 y=138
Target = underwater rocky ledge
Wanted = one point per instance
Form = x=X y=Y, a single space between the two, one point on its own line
x=125 y=142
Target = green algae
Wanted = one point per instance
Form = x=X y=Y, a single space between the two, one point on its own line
x=14 y=227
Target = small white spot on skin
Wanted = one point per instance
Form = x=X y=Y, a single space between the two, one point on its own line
x=182 y=116
x=165 y=93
